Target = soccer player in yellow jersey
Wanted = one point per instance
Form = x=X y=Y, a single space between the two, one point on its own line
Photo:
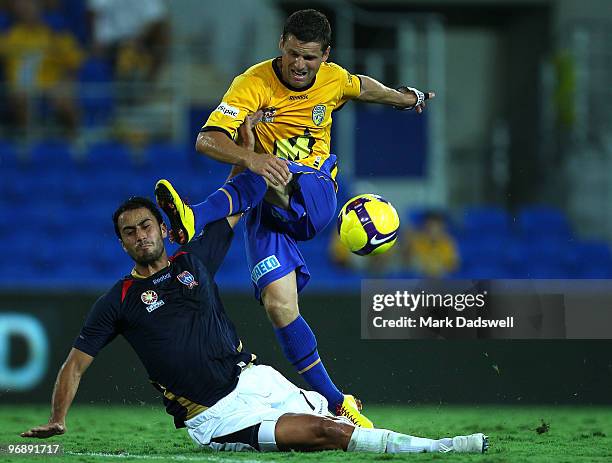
x=287 y=186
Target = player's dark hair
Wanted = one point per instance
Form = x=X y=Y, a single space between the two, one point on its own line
x=309 y=26
x=136 y=202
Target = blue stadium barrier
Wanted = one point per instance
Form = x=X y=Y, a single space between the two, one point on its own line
x=8 y=156
x=544 y=270
x=109 y=155
x=52 y=155
x=376 y=140
x=594 y=251
x=167 y=154
x=41 y=214
x=482 y=249
x=203 y=167
x=55 y=20
x=486 y=219
x=75 y=14
x=18 y=187
x=592 y=259
x=484 y=270
x=547 y=249
x=5 y=21
x=18 y=273
x=66 y=236
x=539 y=220
x=96 y=95
x=92 y=217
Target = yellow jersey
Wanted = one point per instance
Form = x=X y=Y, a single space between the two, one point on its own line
x=37 y=57
x=297 y=122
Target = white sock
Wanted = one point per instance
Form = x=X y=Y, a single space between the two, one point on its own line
x=402 y=443
x=368 y=440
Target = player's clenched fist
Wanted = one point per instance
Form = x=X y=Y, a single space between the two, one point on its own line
x=273 y=169
x=46 y=430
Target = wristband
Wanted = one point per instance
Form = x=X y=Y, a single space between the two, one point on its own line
x=421 y=97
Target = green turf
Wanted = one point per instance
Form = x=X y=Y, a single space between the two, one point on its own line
x=146 y=434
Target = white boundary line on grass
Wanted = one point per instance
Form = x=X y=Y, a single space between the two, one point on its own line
x=164 y=457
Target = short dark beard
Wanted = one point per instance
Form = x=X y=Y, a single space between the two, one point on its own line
x=149 y=260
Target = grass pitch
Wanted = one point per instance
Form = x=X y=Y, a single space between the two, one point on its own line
x=98 y=433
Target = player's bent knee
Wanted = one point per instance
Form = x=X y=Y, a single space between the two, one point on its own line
x=280 y=301
x=280 y=313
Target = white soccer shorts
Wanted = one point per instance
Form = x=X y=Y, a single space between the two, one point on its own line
x=261 y=397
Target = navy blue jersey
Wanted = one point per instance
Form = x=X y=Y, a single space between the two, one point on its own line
x=177 y=325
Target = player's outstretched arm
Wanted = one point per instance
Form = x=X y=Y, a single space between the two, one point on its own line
x=66 y=385
x=373 y=91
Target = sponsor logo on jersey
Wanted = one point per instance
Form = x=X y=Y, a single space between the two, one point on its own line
x=187 y=279
x=298 y=97
x=318 y=114
x=264 y=266
x=228 y=110
x=268 y=114
x=161 y=278
x=149 y=297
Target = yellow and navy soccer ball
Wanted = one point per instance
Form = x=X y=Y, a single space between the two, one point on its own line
x=368 y=225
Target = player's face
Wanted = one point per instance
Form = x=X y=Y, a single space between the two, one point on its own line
x=142 y=237
x=300 y=61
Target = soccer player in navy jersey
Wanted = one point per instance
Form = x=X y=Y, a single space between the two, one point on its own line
x=170 y=312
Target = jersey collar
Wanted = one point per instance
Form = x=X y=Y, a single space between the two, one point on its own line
x=279 y=76
x=137 y=276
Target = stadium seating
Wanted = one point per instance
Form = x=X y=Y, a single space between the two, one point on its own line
x=543 y=220
x=51 y=153
x=8 y=155
x=64 y=239
x=5 y=21
x=55 y=20
x=109 y=156
x=96 y=97
x=486 y=220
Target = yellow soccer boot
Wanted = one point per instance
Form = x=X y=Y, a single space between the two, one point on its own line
x=351 y=409
x=182 y=219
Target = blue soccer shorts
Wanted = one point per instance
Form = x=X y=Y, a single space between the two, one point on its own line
x=272 y=233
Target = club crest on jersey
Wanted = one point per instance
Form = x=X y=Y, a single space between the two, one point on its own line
x=150 y=298
x=187 y=279
x=318 y=114
x=268 y=114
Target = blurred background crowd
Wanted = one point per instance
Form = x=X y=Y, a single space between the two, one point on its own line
x=505 y=176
